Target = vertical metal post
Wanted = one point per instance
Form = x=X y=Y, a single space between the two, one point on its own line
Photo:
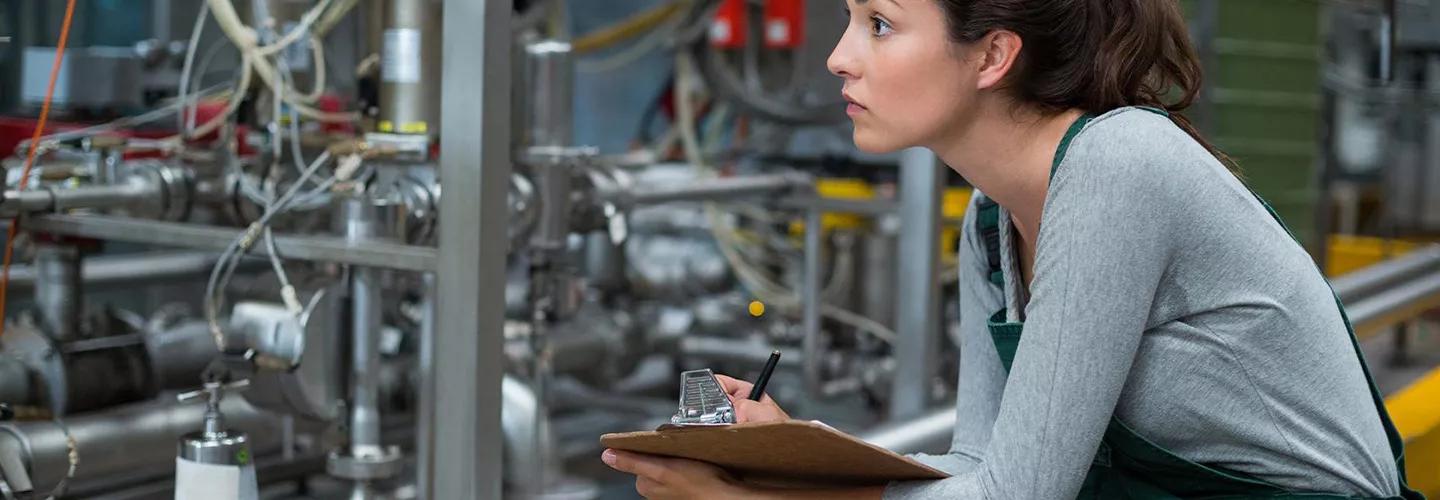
x=918 y=310
x=58 y=290
x=161 y=19
x=465 y=454
x=810 y=303
x=425 y=414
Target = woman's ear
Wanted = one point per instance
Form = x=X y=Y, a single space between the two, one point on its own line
x=998 y=52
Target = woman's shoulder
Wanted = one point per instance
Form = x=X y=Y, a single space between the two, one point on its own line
x=1131 y=150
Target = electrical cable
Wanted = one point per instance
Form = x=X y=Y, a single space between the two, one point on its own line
x=47 y=141
x=632 y=27
x=229 y=260
x=30 y=157
x=201 y=71
x=333 y=17
x=298 y=31
x=246 y=40
x=189 y=65
x=651 y=42
x=236 y=97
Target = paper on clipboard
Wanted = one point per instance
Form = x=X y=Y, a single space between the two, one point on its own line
x=790 y=453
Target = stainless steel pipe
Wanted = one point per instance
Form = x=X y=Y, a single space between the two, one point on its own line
x=129 y=269
x=58 y=291
x=126 y=445
x=122 y=195
x=723 y=189
x=1363 y=283
x=1398 y=303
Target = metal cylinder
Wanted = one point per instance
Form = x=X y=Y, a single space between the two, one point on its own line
x=529 y=450
x=125 y=445
x=57 y=290
x=17 y=202
x=366 y=458
x=361 y=224
x=604 y=262
x=131 y=192
x=726 y=189
x=365 y=362
x=553 y=185
x=878 y=264
x=410 y=68
x=17 y=386
x=549 y=74
x=180 y=354
x=1359 y=285
x=131 y=269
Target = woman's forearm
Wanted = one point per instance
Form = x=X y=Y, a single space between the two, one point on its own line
x=874 y=493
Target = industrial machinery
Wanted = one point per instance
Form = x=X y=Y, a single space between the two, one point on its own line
x=375 y=219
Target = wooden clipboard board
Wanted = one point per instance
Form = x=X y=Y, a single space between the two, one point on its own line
x=791 y=453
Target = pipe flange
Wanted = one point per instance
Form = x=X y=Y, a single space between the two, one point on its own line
x=386 y=463
x=173 y=188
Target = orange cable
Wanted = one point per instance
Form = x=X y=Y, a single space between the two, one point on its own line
x=30 y=156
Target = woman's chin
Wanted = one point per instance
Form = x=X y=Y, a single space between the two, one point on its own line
x=873 y=143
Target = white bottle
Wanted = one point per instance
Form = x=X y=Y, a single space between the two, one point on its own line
x=215 y=463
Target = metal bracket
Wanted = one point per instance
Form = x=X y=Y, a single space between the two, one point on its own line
x=365 y=468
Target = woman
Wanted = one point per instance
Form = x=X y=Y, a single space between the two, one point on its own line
x=1168 y=319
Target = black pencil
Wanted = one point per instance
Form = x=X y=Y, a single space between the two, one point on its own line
x=759 y=389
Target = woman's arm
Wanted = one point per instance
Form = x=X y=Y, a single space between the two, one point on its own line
x=660 y=478
x=1104 y=248
x=981 y=376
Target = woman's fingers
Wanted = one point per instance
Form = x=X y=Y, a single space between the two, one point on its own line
x=758 y=411
x=736 y=388
x=634 y=463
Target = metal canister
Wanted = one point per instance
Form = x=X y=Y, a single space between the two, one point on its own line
x=215 y=463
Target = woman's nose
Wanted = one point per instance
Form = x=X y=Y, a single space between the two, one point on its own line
x=841 y=62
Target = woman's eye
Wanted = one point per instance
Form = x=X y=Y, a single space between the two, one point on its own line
x=880 y=27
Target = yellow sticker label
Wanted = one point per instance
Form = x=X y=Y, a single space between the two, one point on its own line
x=387 y=126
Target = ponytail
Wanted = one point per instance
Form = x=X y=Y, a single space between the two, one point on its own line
x=1095 y=55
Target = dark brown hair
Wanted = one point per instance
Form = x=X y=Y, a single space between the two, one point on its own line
x=1094 y=55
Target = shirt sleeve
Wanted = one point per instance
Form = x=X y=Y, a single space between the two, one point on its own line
x=1102 y=253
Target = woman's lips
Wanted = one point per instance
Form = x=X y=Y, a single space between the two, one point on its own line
x=853 y=109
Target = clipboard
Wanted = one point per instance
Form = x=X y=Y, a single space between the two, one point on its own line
x=794 y=453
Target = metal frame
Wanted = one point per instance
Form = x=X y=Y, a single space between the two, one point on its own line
x=462 y=443
x=917 y=317
x=314 y=248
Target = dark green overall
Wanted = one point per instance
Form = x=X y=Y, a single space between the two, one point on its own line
x=1128 y=466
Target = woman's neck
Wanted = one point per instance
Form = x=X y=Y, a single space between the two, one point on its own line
x=1007 y=154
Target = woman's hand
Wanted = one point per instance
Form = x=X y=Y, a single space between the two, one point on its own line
x=661 y=478
x=764 y=410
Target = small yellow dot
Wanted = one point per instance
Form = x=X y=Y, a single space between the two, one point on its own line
x=757 y=309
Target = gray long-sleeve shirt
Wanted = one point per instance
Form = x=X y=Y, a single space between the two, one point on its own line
x=1164 y=294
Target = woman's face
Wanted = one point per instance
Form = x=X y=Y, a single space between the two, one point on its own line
x=906 y=83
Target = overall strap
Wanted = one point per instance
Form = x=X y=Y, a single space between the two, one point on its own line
x=987 y=216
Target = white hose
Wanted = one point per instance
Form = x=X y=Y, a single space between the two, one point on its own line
x=190 y=60
x=246 y=40
x=298 y=31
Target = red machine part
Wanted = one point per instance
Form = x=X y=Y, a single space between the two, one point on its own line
x=784 y=24
x=728 y=31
